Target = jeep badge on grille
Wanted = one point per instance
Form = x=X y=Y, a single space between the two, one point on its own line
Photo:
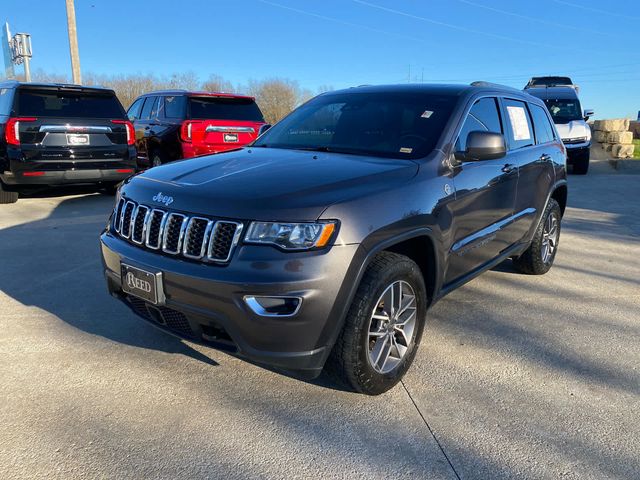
x=166 y=199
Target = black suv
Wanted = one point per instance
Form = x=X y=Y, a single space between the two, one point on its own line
x=327 y=239
x=55 y=134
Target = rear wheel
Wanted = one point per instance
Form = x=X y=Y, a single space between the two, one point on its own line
x=581 y=163
x=158 y=158
x=383 y=326
x=7 y=197
x=539 y=257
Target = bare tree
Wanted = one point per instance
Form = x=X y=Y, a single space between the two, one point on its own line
x=276 y=97
x=216 y=83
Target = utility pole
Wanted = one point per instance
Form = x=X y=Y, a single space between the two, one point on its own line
x=73 y=42
x=27 y=69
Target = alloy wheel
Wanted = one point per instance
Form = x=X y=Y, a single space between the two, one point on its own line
x=392 y=327
x=550 y=233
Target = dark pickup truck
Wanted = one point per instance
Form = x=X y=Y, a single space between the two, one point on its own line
x=58 y=134
x=325 y=241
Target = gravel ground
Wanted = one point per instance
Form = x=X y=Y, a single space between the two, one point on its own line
x=517 y=376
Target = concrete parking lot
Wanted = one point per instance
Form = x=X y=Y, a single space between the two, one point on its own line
x=517 y=376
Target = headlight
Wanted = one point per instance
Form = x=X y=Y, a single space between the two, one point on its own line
x=291 y=236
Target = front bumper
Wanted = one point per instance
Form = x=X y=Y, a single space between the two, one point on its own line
x=205 y=303
x=577 y=151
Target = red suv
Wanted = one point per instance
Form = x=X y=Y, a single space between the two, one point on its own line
x=176 y=124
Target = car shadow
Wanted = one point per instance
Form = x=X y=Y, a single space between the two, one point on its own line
x=53 y=264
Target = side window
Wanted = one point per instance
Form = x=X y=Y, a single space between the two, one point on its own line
x=6 y=97
x=159 y=108
x=134 y=110
x=174 y=107
x=541 y=124
x=483 y=116
x=149 y=103
x=154 y=109
x=520 y=129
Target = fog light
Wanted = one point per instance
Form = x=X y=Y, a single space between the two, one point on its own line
x=273 y=306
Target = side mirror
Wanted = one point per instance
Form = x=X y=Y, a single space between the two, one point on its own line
x=264 y=128
x=587 y=113
x=483 y=146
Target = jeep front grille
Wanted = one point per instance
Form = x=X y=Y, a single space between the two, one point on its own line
x=195 y=238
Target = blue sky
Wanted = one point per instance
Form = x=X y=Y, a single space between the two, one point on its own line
x=350 y=42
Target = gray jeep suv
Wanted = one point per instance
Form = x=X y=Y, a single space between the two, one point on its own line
x=325 y=241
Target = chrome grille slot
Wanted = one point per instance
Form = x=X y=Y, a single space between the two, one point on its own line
x=195 y=244
x=224 y=237
x=117 y=215
x=139 y=224
x=125 y=219
x=193 y=238
x=155 y=225
x=173 y=235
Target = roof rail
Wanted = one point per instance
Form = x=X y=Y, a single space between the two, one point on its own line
x=482 y=83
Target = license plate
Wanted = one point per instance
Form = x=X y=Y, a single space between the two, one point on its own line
x=77 y=139
x=142 y=284
x=230 y=137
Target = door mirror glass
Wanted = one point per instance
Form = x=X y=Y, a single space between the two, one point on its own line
x=483 y=146
x=588 y=113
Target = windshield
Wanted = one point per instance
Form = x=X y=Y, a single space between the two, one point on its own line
x=61 y=103
x=394 y=124
x=224 y=108
x=563 y=110
x=549 y=81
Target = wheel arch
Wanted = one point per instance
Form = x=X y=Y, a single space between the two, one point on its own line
x=560 y=194
x=421 y=245
x=420 y=249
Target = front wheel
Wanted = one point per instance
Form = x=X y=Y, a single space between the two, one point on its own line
x=383 y=326
x=539 y=257
x=581 y=164
x=6 y=196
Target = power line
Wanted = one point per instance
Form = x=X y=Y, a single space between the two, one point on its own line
x=343 y=22
x=597 y=10
x=458 y=27
x=532 y=19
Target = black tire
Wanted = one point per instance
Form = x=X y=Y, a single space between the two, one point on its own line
x=7 y=197
x=157 y=158
x=110 y=188
x=532 y=261
x=349 y=360
x=581 y=164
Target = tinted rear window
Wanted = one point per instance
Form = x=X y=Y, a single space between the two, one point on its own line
x=211 y=108
x=48 y=103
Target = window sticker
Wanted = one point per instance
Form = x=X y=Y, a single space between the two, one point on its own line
x=406 y=150
x=519 y=124
x=426 y=114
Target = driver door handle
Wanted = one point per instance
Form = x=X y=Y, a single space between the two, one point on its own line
x=509 y=167
x=545 y=158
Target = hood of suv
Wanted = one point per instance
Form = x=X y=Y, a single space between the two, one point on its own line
x=574 y=129
x=266 y=183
